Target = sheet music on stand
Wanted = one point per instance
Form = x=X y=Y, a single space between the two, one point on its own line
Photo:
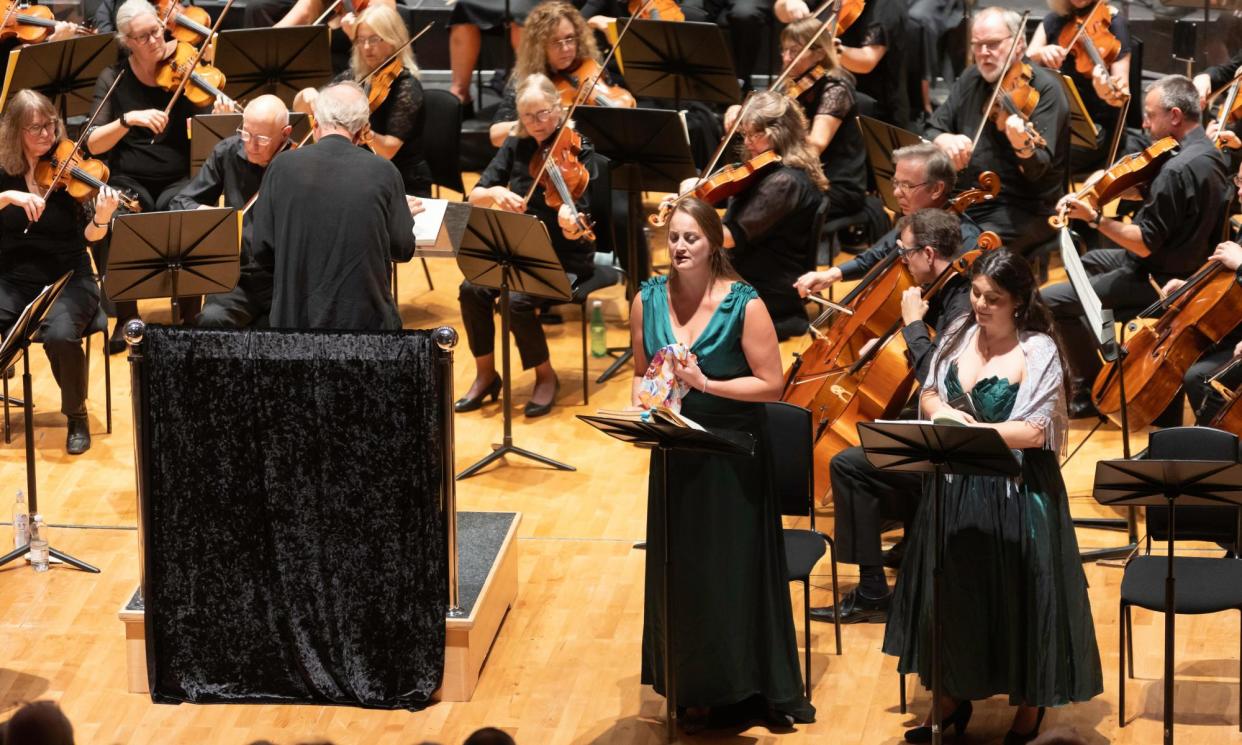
x=1101 y=321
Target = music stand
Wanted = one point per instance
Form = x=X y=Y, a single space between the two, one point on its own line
x=937 y=449
x=679 y=62
x=64 y=71
x=17 y=344
x=649 y=150
x=880 y=139
x=206 y=131
x=510 y=252
x=174 y=254
x=280 y=61
x=665 y=438
x=1165 y=483
x=1082 y=128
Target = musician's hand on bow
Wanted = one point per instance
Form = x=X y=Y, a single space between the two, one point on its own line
x=913 y=306
x=1229 y=254
x=1076 y=208
x=503 y=199
x=1015 y=130
x=816 y=281
x=1050 y=56
x=1226 y=137
x=957 y=147
x=106 y=202
x=415 y=204
x=1203 y=84
x=152 y=119
x=1172 y=286
x=31 y=204
x=730 y=116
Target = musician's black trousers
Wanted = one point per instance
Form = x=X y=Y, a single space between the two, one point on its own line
x=865 y=498
x=476 y=315
x=1204 y=401
x=247 y=304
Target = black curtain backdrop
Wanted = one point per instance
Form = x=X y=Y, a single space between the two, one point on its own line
x=294 y=540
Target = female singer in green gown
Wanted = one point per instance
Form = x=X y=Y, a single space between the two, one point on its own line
x=1016 y=615
x=735 y=651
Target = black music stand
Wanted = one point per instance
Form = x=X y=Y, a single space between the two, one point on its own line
x=511 y=253
x=880 y=139
x=64 y=71
x=280 y=61
x=939 y=450
x=649 y=150
x=173 y=255
x=664 y=438
x=1165 y=483
x=206 y=131
x=679 y=62
x=17 y=344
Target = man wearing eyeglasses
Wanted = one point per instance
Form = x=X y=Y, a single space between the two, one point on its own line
x=234 y=171
x=1032 y=175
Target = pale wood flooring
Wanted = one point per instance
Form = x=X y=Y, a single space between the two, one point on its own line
x=565 y=666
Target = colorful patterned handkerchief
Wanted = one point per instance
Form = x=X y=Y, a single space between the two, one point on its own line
x=660 y=387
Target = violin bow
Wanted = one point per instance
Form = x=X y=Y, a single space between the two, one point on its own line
x=1230 y=97
x=999 y=80
x=198 y=56
x=326 y=13
x=587 y=86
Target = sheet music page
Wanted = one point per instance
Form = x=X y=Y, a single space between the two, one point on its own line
x=427 y=223
x=1092 y=308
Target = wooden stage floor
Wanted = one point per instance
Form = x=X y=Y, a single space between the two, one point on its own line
x=565 y=667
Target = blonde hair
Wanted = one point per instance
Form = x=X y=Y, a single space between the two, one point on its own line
x=386 y=22
x=800 y=32
x=782 y=120
x=19 y=113
x=541 y=23
x=536 y=86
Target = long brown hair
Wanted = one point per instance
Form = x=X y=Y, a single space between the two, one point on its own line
x=708 y=220
x=782 y=120
x=800 y=32
x=19 y=113
x=540 y=25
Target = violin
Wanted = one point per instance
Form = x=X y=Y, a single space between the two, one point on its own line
x=726 y=182
x=1016 y=95
x=65 y=167
x=1093 y=43
x=847 y=13
x=1127 y=173
x=572 y=85
x=658 y=10
x=563 y=176
x=31 y=24
x=188 y=23
x=184 y=71
x=381 y=82
x=795 y=88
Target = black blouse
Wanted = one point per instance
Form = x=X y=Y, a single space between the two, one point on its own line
x=402 y=115
x=882 y=23
x=1103 y=114
x=53 y=245
x=844 y=160
x=166 y=159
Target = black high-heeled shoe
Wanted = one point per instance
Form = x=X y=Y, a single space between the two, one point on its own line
x=958 y=719
x=464 y=404
x=1017 y=738
x=533 y=409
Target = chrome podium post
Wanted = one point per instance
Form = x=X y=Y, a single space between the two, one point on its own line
x=135 y=330
x=445 y=338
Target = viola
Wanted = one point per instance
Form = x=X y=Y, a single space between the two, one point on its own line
x=188 y=23
x=657 y=10
x=65 y=167
x=795 y=88
x=1016 y=95
x=30 y=24
x=728 y=181
x=1131 y=171
x=184 y=70
x=573 y=86
x=847 y=13
x=1195 y=317
x=563 y=176
x=381 y=82
x=1092 y=41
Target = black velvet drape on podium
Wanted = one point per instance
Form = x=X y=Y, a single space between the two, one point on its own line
x=294 y=539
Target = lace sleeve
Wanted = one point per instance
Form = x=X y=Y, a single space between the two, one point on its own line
x=836 y=100
x=404 y=102
x=875 y=36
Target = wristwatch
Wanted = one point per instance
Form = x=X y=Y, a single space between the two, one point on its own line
x=123 y=122
x=1094 y=222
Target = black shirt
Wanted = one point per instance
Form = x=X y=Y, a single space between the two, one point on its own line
x=168 y=158
x=886 y=245
x=329 y=219
x=1101 y=112
x=402 y=115
x=1222 y=74
x=844 y=160
x=771 y=223
x=1032 y=185
x=950 y=303
x=53 y=245
x=1185 y=208
x=510 y=168
x=882 y=23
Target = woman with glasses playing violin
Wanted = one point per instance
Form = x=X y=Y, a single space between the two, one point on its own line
x=503 y=186
x=398 y=118
x=41 y=239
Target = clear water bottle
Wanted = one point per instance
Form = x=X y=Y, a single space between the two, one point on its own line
x=21 y=521
x=599 y=336
x=38 y=544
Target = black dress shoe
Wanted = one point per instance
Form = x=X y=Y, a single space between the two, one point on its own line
x=464 y=404
x=533 y=409
x=855 y=609
x=958 y=720
x=1015 y=738
x=894 y=556
x=79 y=439
x=1082 y=407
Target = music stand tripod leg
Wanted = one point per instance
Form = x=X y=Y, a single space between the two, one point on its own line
x=634 y=211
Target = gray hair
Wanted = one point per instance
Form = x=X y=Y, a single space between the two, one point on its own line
x=343 y=106
x=1011 y=18
x=1177 y=92
x=130 y=10
x=937 y=164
